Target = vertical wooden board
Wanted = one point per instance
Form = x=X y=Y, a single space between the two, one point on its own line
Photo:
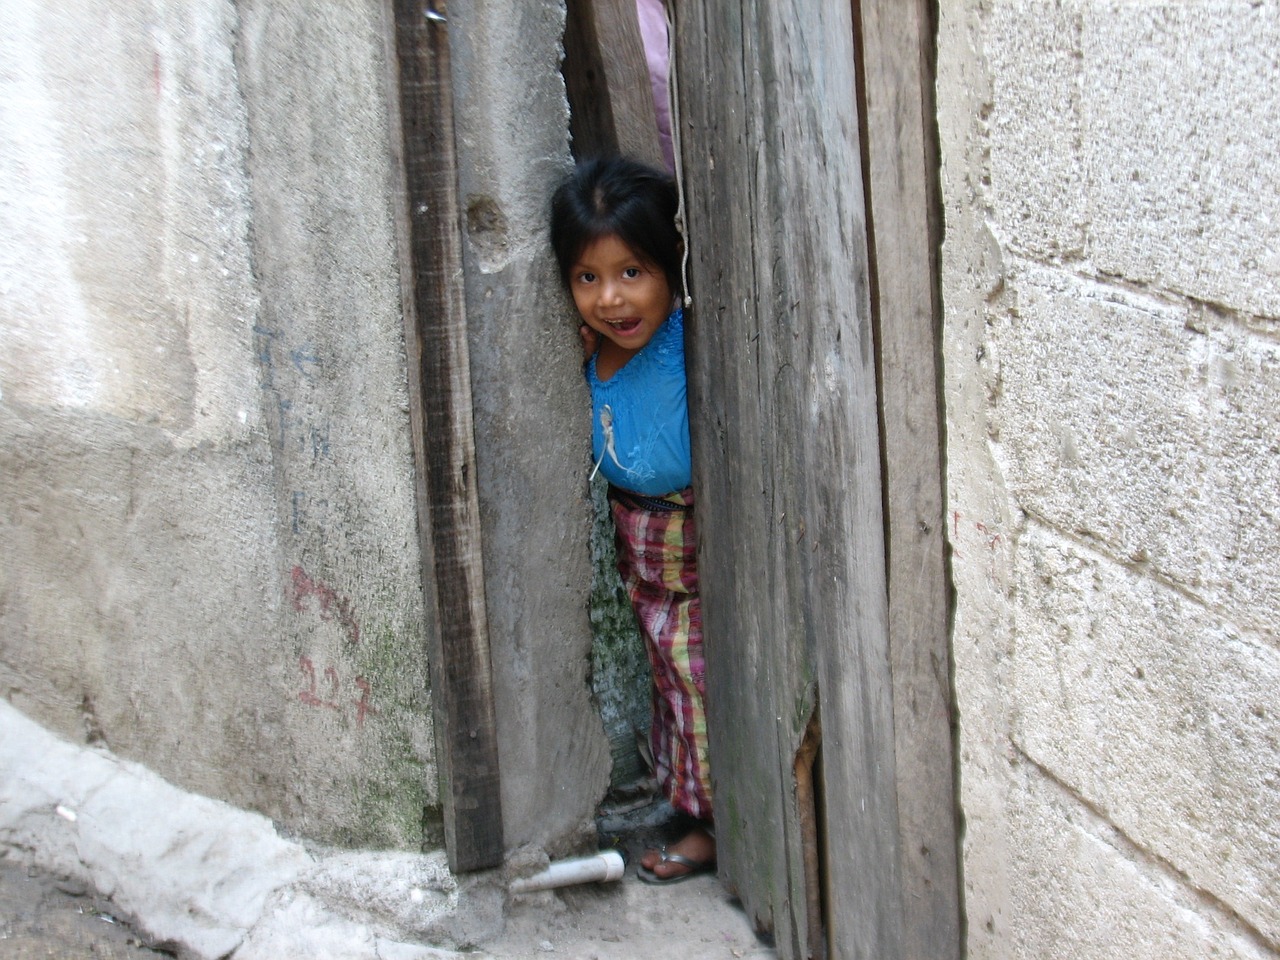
x=730 y=466
x=898 y=116
x=788 y=467
x=444 y=445
x=781 y=252
x=607 y=81
x=630 y=91
x=591 y=125
x=829 y=432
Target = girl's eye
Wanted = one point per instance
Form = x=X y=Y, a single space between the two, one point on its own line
x=631 y=272
x=586 y=277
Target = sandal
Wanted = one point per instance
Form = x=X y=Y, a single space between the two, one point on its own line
x=694 y=867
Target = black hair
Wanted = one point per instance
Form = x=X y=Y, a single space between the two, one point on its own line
x=615 y=196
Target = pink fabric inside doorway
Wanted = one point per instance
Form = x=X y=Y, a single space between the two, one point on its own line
x=653 y=31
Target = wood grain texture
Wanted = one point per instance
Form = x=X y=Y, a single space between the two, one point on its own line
x=786 y=448
x=444 y=444
x=900 y=172
x=607 y=82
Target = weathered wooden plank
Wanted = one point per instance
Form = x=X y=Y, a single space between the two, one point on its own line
x=900 y=170
x=607 y=81
x=787 y=451
x=750 y=784
x=444 y=444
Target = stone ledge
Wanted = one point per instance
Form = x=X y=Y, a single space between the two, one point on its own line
x=214 y=881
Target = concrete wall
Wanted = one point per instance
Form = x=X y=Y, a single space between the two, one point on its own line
x=1111 y=278
x=208 y=529
x=532 y=419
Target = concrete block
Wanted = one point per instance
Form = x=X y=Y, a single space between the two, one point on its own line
x=1130 y=143
x=1181 y=142
x=1137 y=138
x=204 y=435
x=1078 y=891
x=1149 y=428
x=297 y=925
x=1038 y=182
x=1160 y=714
x=408 y=896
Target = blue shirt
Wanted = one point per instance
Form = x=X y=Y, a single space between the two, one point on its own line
x=640 y=416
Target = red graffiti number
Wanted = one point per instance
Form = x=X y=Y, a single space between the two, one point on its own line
x=311 y=695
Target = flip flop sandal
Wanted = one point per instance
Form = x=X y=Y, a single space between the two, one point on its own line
x=695 y=867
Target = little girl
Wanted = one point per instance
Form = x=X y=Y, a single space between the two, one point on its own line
x=614 y=233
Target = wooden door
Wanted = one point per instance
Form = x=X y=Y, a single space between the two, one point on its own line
x=819 y=802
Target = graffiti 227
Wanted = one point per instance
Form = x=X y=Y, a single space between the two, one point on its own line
x=332 y=606
x=330 y=698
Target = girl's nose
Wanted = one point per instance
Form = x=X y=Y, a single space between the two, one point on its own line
x=612 y=293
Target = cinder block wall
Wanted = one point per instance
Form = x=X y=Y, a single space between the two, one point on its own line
x=1111 y=275
x=208 y=541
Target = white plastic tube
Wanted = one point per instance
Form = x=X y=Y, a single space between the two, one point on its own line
x=604 y=866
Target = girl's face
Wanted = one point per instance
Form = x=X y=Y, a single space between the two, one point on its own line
x=620 y=295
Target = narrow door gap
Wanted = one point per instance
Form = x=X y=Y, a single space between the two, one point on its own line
x=614 y=111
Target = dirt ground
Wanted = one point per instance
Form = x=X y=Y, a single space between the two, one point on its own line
x=48 y=919
x=696 y=919
x=45 y=918
x=629 y=920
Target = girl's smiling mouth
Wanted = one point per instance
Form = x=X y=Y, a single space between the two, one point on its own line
x=625 y=324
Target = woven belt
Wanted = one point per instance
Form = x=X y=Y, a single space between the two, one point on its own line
x=638 y=501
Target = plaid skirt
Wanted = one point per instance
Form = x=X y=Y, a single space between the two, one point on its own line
x=658 y=564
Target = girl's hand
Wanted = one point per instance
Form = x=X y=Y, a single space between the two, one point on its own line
x=590 y=341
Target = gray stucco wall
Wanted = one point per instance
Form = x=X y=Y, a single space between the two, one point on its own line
x=531 y=420
x=1112 y=350
x=209 y=535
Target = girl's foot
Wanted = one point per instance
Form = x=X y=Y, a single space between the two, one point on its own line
x=697 y=850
